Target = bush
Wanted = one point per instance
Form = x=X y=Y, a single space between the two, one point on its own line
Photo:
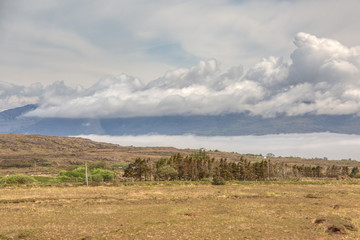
x=354 y=172
x=101 y=165
x=205 y=180
x=78 y=175
x=218 y=181
x=18 y=179
x=97 y=178
x=166 y=172
x=46 y=180
x=357 y=175
x=47 y=164
x=106 y=175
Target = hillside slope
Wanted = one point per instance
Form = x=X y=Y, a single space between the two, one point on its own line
x=70 y=150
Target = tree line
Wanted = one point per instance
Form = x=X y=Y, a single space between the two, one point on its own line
x=200 y=166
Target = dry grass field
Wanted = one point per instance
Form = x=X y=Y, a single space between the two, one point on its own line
x=319 y=209
x=251 y=210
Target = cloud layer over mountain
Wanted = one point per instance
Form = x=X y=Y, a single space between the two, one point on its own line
x=323 y=77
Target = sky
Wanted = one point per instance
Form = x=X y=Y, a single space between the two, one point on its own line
x=311 y=145
x=105 y=59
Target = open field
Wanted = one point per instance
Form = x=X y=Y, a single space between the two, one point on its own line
x=250 y=210
x=323 y=208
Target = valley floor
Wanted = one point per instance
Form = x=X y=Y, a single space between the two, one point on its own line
x=253 y=210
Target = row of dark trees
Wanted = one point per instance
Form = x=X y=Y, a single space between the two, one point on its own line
x=200 y=166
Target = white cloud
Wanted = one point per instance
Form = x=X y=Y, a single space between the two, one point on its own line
x=322 y=78
x=79 y=42
x=14 y=96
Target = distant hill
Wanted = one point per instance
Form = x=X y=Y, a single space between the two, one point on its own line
x=70 y=150
x=14 y=121
x=12 y=114
x=73 y=150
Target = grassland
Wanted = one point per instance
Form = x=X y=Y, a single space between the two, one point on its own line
x=249 y=210
x=51 y=209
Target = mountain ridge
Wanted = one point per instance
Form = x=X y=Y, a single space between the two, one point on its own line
x=15 y=121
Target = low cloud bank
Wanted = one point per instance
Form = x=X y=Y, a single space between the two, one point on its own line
x=323 y=77
x=330 y=145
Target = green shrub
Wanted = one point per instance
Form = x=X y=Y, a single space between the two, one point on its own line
x=101 y=165
x=97 y=178
x=77 y=175
x=47 y=164
x=18 y=179
x=218 y=181
x=354 y=172
x=205 y=180
x=46 y=180
x=357 y=175
x=107 y=175
x=166 y=172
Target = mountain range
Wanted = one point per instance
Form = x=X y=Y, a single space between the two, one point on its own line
x=15 y=121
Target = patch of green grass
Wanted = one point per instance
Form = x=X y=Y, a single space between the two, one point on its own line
x=46 y=180
x=47 y=164
x=18 y=179
x=101 y=175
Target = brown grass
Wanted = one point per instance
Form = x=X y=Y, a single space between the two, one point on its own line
x=246 y=211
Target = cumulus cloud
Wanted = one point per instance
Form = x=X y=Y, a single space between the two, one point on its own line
x=13 y=96
x=322 y=78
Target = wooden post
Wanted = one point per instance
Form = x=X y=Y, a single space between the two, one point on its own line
x=150 y=171
x=283 y=170
x=268 y=169
x=86 y=175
